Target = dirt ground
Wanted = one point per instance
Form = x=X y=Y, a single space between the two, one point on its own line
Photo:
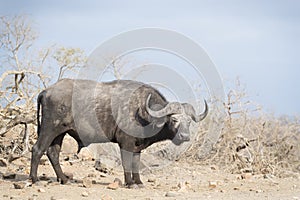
x=178 y=180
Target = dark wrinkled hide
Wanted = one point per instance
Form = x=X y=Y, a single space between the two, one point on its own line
x=94 y=112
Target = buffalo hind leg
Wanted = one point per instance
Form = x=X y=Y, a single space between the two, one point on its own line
x=39 y=148
x=136 y=169
x=53 y=155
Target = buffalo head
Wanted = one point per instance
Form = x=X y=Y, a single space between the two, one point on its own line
x=177 y=117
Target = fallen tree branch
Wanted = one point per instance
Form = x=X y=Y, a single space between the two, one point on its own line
x=16 y=122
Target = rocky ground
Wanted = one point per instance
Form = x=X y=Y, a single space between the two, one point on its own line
x=174 y=180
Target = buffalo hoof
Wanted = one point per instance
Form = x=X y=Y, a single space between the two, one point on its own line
x=63 y=180
x=33 y=179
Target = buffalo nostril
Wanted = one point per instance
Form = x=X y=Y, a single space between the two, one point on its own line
x=185 y=137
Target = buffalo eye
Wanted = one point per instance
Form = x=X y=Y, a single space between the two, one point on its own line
x=189 y=120
x=174 y=120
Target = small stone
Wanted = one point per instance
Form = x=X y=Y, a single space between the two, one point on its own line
x=102 y=174
x=14 y=197
x=171 y=194
x=117 y=180
x=92 y=175
x=182 y=187
x=87 y=182
x=41 y=190
x=44 y=178
x=85 y=194
x=151 y=180
x=43 y=161
x=66 y=158
x=106 y=197
x=3 y=163
x=113 y=186
x=101 y=167
x=19 y=185
x=236 y=188
x=9 y=176
x=85 y=154
x=69 y=175
x=212 y=184
x=52 y=183
x=213 y=167
x=246 y=176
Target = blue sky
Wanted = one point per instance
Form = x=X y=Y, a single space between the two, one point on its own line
x=258 y=41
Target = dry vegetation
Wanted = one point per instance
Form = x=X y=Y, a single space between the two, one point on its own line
x=23 y=76
x=253 y=141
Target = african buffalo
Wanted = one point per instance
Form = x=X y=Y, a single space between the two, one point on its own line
x=132 y=114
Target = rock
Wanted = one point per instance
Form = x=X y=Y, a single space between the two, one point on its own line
x=213 y=167
x=52 y=183
x=20 y=185
x=44 y=178
x=85 y=154
x=101 y=167
x=106 y=197
x=102 y=174
x=113 y=186
x=183 y=186
x=69 y=175
x=92 y=175
x=236 y=188
x=151 y=180
x=44 y=161
x=84 y=194
x=87 y=182
x=14 y=197
x=3 y=163
x=118 y=181
x=246 y=176
x=9 y=175
x=171 y=194
x=212 y=184
x=69 y=145
x=41 y=190
x=66 y=158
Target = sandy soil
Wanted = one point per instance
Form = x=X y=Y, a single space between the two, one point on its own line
x=179 y=180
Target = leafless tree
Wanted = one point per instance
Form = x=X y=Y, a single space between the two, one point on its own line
x=23 y=76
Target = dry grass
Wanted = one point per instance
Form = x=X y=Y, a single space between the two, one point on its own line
x=252 y=141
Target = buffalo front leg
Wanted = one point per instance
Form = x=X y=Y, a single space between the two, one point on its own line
x=136 y=169
x=53 y=155
x=126 y=157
